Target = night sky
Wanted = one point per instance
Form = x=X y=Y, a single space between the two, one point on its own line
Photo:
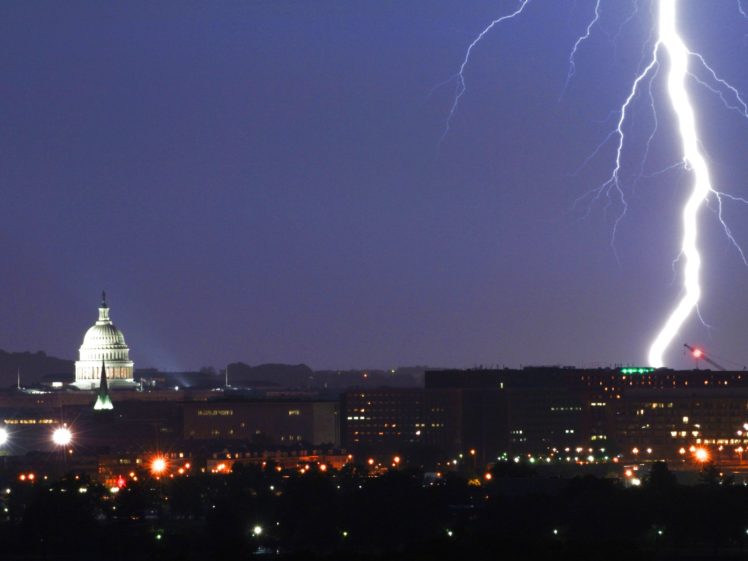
x=262 y=181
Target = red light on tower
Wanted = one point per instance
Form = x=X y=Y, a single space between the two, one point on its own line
x=697 y=353
x=121 y=482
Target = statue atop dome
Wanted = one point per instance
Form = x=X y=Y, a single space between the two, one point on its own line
x=104 y=347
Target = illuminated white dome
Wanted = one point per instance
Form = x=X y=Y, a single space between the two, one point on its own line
x=104 y=342
x=103 y=338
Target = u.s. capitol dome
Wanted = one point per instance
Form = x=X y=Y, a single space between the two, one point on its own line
x=104 y=342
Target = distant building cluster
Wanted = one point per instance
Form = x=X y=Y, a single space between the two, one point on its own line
x=632 y=413
x=629 y=414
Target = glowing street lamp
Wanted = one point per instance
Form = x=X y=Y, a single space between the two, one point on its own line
x=62 y=436
x=257 y=531
x=702 y=455
x=3 y=436
x=158 y=465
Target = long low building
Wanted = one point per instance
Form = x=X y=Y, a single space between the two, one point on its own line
x=160 y=419
x=272 y=422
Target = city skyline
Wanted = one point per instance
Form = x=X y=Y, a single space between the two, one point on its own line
x=263 y=182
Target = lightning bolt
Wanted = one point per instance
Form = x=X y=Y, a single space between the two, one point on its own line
x=678 y=71
x=581 y=39
x=460 y=76
x=613 y=183
x=696 y=163
x=668 y=41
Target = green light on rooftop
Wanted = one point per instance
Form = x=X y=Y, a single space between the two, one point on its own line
x=637 y=370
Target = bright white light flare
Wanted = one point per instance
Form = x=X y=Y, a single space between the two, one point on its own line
x=3 y=436
x=693 y=159
x=158 y=465
x=62 y=436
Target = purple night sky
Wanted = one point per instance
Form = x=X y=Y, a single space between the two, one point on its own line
x=261 y=181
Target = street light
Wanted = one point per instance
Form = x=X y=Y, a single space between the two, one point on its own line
x=158 y=465
x=702 y=455
x=62 y=436
x=3 y=436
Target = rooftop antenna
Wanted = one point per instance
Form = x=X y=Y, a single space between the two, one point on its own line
x=698 y=354
x=18 y=381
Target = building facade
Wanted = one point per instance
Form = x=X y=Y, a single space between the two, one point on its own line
x=265 y=422
x=635 y=412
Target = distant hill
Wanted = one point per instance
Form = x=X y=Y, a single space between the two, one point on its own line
x=33 y=367
x=302 y=376
x=402 y=377
x=291 y=375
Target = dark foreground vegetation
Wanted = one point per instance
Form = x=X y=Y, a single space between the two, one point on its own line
x=255 y=513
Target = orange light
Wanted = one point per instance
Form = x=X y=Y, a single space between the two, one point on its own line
x=371 y=461
x=396 y=459
x=682 y=451
x=702 y=455
x=22 y=477
x=472 y=451
x=187 y=465
x=322 y=467
x=629 y=473
x=488 y=476
x=158 y=465
x=221 y=467
x=181 y=471
x=31 y=477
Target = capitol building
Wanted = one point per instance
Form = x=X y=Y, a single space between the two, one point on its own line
x=104 y=345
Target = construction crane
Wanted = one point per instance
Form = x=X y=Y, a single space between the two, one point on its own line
x=698 y=354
